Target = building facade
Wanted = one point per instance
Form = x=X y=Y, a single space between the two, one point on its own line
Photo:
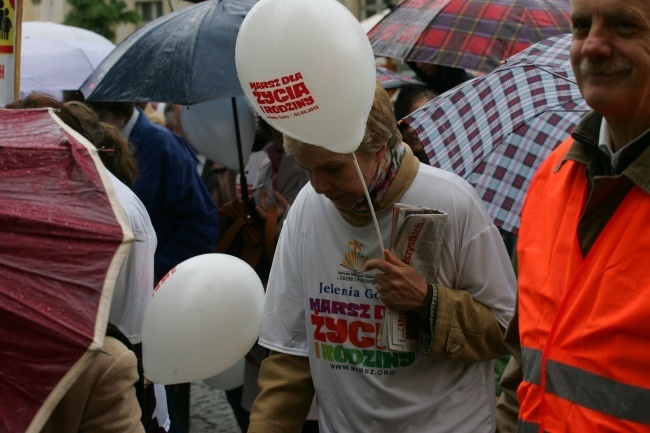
x=55 y=10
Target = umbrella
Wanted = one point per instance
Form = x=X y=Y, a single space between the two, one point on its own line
x=467 y=34
x=61 y=32
x=63 y=240
x=496 y=130
x=185 y=57
x=392 y=80
x=53 y=66
x=372 y=20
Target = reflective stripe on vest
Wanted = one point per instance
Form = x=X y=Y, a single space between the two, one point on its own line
x=585 y=351
x=532 y=365
x=586 y=389
x=527 y=427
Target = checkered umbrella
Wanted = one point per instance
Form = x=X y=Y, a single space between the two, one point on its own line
x=393 y=80
x=467 y=34
x=496 y=130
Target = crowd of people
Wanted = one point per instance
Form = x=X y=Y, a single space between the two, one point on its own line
x=570 y=318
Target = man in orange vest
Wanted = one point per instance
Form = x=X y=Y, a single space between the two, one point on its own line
x=584 y=283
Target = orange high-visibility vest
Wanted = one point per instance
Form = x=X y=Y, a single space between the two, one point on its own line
x=584 y=323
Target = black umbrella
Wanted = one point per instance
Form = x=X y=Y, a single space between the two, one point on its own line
x=184 y=57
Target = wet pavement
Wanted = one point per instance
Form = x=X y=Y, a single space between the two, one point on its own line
x=210 y=411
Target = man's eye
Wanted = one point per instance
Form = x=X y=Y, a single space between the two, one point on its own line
x=580 y=26
x=624 y=25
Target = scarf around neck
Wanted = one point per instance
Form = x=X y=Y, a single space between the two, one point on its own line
x=394 y=176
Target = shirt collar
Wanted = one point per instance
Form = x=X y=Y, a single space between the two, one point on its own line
x=605 y=143
x=605 y=139
x=634 y=157
x=126 y=131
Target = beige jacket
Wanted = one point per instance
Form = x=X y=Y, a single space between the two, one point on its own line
x=103 y=399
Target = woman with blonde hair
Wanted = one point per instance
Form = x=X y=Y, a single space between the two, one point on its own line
x=328 y=290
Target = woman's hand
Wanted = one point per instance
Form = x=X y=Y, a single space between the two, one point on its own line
x=280 y=202
x=400 y=286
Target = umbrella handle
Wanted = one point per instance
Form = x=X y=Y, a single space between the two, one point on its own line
x=242 y=169
x=372 y=209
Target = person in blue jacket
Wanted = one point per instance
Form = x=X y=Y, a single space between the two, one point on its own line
x=181 y=209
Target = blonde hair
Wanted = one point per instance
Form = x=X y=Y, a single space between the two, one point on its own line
x=381 y=129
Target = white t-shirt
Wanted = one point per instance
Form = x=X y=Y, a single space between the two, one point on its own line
x=134 y=285
x=317 y=307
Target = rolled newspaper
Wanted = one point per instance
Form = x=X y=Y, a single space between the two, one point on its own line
x=416 y=238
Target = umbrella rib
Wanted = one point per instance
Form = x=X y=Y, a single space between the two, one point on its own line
x=517 y=63
x=87 y=59
x=558 y=75
x=194 y=45
x=547 y=110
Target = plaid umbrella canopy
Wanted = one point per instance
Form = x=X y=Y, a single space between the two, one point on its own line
x=392 y=80
x=496 y=130
x=467 y=34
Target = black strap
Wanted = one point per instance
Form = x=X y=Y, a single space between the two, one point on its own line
x=113 y=331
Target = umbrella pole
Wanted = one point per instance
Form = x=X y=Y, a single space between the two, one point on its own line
x=242 y=169
x=372 y=209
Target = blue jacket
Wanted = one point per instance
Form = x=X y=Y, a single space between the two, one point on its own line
x=180 y=207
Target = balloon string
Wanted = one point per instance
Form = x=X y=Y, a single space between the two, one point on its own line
x=372 y=209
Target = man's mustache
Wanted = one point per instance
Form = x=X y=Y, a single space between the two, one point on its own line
x=604 y=67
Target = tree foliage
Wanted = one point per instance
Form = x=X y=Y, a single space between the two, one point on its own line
x=100 y=16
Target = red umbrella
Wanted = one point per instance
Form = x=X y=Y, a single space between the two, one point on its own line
x=467 y=34
x=63 y=240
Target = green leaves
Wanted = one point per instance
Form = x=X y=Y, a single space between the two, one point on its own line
x=100 y=16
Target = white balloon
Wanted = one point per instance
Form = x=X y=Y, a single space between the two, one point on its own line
x=307 y=67
x=204 y=316
x=210 y=129
x=229 y=379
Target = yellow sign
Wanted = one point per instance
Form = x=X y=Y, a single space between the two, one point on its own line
x=7 y=50
x=7 y=26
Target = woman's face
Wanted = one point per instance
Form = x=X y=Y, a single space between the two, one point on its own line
x=334 y=174
x=409 y=136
